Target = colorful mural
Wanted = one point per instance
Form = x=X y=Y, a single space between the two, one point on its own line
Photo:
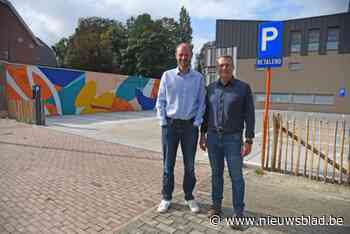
x=67 y=92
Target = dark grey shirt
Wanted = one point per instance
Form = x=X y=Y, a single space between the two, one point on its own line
x=230 y=107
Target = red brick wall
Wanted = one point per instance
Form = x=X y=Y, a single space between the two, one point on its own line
x=15 y=40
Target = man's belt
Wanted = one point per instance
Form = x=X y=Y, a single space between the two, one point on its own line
x=219 y=130
x=180 y=121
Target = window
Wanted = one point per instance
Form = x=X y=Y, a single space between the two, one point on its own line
x=208 y=57
x=324 y=99
x=314 y=40
x=303 y=98
x=311 y=99
x=295 y=66
x=333 y=39
x=295 y=42
x=4 y=55
x=281 y=98
x=219 y=52
x=230 y=51
x=260 y=97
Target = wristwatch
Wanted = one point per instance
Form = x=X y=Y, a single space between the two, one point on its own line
x=249 y=141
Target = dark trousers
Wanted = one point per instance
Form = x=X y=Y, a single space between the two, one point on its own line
x=185 y=133
x=221 y=147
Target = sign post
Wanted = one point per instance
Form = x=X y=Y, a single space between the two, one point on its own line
x=269 y=55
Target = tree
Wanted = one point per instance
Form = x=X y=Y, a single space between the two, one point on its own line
x=151 y=46
x=60 y=49
x=185 y=29
x=135 y=28
x=143 y=46
x=96 y=45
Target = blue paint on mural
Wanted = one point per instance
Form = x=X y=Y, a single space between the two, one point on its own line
x=69 y=93
x=145 y=102
x=59 y=76
x=127 y=90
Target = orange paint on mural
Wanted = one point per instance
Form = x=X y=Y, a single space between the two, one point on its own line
x=121 y=105
x=19 y=75
x=155 y=88
x=11 y=93
x=51 y=108
x=58 y=88
x=45 y=91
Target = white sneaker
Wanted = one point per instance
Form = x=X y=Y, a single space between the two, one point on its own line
x=193 y=205
x=163 y=206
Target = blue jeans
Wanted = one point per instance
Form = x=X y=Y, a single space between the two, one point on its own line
x=227 y=146
x=173 y=134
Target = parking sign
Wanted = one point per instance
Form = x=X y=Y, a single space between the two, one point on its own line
x=270 y=53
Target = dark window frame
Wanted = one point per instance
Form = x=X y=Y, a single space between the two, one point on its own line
x=308 y=40
x=338 y=39
x=291 y=41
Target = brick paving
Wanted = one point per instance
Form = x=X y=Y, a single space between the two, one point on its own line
x=52 y=182
x=262 y=201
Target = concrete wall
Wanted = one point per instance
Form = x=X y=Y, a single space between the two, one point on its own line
x=320 y=74
x=80 y=92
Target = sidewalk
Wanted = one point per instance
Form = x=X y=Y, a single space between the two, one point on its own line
x=55 y=182
x=268 y=195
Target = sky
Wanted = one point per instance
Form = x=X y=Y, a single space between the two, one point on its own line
x=51 y=20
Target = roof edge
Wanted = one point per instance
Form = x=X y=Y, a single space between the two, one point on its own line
x=13 y=9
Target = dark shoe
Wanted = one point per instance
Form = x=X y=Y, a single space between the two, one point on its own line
x=213 y=211
x=237 y=226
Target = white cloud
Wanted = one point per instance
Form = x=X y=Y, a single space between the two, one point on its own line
x=52 y=20
x=198 y=43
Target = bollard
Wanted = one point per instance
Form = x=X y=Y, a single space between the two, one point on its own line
x=37 y=101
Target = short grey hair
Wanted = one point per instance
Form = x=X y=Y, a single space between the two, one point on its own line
x=229 y=57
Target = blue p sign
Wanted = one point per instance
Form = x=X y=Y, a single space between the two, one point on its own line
x=270 y=44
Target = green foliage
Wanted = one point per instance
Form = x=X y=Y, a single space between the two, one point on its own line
x=151 y=46
x=185 y=29
x=60 y=49
x=141 y=47
x=259 y=171
x=96 y=45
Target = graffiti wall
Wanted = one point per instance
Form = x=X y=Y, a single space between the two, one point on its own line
x=67 y=92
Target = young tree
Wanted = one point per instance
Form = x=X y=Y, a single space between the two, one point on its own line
x=185 y=29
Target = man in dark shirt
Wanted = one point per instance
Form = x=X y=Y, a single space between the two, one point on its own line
x=229 y=109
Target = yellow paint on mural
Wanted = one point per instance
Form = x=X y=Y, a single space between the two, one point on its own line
x=91 y=110
x=86 y=95
x=103 y=101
